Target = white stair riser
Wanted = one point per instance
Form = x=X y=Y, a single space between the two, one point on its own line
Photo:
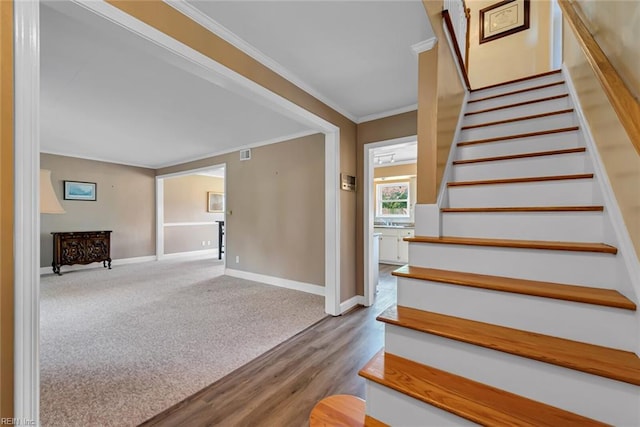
x=513 y=112
x=589 y=395
x=605 y=326
x=575 y=268
x=555 y=226
x=557 y=121
x=397 y=409
x=569 y=192
x=559 y=164
x=556 y=141
x=516 y=98
x=553 y=78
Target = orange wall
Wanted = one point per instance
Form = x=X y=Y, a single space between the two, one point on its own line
x=517 y=55
x=6 y=209
x=440 y=97
x=618 y=154
x=614 y=24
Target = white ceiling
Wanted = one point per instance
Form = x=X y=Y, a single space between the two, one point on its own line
x=400 y=153
x=110 y=95
x=355 y=54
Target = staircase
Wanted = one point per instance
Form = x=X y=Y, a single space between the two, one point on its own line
x=521 y=312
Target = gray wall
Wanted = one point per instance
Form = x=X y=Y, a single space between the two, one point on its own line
x=275 y=209
x=185 y=201
x=125 y=204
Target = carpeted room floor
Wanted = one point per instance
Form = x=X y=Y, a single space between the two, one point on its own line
x=118 y=346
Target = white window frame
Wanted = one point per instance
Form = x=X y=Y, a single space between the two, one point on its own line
x=380 y=186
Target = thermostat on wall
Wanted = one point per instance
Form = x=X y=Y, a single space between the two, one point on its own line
x=348 y=182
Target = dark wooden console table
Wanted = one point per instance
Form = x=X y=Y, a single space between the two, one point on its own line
x=81 y=247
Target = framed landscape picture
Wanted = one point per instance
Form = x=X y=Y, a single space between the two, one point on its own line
x=503 y=18
x=78 y=190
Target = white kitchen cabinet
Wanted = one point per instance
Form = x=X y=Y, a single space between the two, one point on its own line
x=393 y=249
x=388 y=247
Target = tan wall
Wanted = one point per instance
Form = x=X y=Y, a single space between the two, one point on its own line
x=125 y=204
x=440 y=98
x=168 y=20
x=189 y=238
x=517 y=55
x=275 y=209
x=397 y=170
x=6 y=209
x=614 y=25
x=398 y=126
x=620 y=159
x=185 y=201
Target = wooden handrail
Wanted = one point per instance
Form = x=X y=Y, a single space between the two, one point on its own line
x=452 y=33
x=625 y=105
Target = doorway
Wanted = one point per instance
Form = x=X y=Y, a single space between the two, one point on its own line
x=190 y=213
x=386 y=205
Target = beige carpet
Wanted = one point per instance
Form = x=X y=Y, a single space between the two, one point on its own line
x=118 y=346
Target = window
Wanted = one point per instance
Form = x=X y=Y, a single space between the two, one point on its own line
x=393 y=199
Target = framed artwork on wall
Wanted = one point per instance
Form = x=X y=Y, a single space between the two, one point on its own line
x=215 y=202
x=503 y=19
x=78 y=190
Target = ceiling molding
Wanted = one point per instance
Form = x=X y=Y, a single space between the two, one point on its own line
x=200 y=157
x=243 y=147
x=225 y=34
x=424 y=45
x=94 y=159
x=384 y=114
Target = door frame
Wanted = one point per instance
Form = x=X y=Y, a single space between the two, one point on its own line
x=369 y=214
x=27 y=165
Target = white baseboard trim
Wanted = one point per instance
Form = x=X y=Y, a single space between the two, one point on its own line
x=350 y=303
x=276 y=281
x=122 y=261
x=190 y=254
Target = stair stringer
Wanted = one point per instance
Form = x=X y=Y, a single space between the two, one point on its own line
x=615 y=230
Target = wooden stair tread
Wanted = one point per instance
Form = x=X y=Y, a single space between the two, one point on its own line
x=582 y=294
x=519 y=180
x=526 y=209
x=518 y=104
x=480 y=403
x=523 y=79
x=513 y=243
x=593 y=359
x=518 y=136
x=515 y=92
x=518 y=119
x=521 y=156
x=341 y=410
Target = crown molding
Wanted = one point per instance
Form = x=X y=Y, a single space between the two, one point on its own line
x=242 y=147
x=424 y=45
x=188 y=160
x=225 y=34
x=388 y=113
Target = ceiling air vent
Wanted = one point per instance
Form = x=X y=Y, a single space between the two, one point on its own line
x=245 y=154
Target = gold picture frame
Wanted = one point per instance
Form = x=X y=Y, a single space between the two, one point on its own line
x=215 y=202
x=503 y=19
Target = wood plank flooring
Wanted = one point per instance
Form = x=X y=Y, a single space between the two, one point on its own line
x=282 y=386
